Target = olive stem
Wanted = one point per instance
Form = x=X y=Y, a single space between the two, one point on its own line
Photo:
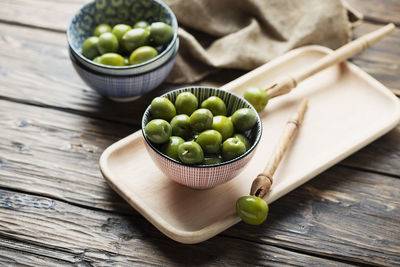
x=262 y=184
x=185 y=152
x=285 y=84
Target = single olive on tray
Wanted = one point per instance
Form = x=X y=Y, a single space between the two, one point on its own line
x=253 y=209
x=257 y=97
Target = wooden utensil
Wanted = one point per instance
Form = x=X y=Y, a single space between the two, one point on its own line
x=262 y=184
x=285 y=84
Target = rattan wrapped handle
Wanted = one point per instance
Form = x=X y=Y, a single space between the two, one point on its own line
x=261 y=185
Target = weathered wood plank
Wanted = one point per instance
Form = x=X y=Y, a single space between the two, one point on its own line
x=337 y=215
x=377 y=10
x=382 y=60
x=101 y=238
x=17 y=253
x=50 y=14
x=43 y=154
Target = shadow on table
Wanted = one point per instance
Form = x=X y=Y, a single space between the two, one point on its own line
x=300 y=221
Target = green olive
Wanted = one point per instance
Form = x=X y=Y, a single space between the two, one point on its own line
x=89 y=47
x=97 y=59
x=243 y=119
x=223 y=125
x=186 y=103
x=244 y=139
x=190 y=153
x=161 y=33
x=102 y=28
x=126 y=61
x=257 y=97
x=171 y=147
x=135 y=38
x=112 y=59
x=141 y=24
x=158 y=131
x=232 y=148
x=142 y=54
x=181 y=126
x=119 y=30
x=210 y=160
x=215 y=105
x=162 y=108
x=108 y=43
x=201 y=119
x=252 y=210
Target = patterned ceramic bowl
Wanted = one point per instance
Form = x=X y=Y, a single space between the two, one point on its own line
x=114 y=12
x=204 y=176
x=124 y=88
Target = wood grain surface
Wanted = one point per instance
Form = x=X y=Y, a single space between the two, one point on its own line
x=52 y=228
x=57 y=210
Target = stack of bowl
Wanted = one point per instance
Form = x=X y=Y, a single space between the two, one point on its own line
x=124 y=83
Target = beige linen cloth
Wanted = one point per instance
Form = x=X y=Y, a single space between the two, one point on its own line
x=244 y=34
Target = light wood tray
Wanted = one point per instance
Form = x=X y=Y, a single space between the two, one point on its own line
x=347 y=110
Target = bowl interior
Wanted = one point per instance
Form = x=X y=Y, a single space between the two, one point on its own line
x=75 y=61
x=115 y=12
x=233 y=102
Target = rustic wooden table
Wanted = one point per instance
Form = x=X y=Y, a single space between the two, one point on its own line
x=56 y=209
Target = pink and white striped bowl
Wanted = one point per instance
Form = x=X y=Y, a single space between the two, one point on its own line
x=204 y=176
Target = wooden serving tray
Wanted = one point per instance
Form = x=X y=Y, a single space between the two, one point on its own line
x=347 y=110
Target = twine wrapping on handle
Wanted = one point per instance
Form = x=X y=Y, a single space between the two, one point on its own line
x=262 y=184
x=285 y=84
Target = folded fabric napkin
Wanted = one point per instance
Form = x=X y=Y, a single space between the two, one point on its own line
x=244 y=34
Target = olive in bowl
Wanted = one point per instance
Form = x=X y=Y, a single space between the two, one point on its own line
x=110 y=21
x=103 y=23
x=199 y=161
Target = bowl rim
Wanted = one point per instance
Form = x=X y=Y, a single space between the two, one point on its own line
x=137 y=66
x=75 y=61
x=184 y=89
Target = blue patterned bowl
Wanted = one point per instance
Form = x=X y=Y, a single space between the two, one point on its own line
x=113 y=12
x=124 y=88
